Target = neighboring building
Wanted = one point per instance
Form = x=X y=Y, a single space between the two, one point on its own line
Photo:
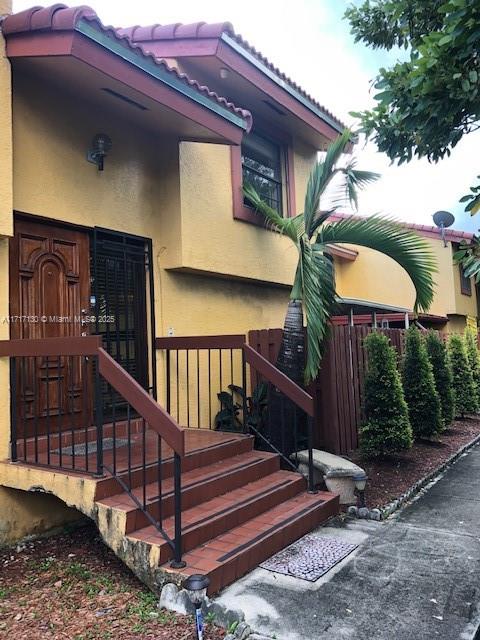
x=151 y=236
x=370 y=282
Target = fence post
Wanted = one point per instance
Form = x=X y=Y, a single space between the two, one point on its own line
x=244 y=399
x=311 y=483
x=13 y=410
x=167 y=381
x=98 y=419
x=177 y=562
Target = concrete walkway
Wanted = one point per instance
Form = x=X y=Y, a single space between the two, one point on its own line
x=415 y=577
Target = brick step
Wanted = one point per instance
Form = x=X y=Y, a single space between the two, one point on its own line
x=231 y=555
x=214 y=517
x=237 y=444
x=198 y=486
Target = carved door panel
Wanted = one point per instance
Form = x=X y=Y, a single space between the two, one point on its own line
x=49 y=295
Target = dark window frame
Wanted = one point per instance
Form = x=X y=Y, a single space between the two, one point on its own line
x=243 y=212
x=465 y=283
x=271 y=173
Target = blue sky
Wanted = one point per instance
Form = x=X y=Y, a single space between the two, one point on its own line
x=310 y=42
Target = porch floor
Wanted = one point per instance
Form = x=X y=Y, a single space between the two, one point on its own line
x=46 y=450
x=238 y=506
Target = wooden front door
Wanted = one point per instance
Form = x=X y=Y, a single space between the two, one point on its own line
x=49 y=297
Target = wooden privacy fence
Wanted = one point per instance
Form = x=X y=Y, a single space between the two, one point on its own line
x=338 y=390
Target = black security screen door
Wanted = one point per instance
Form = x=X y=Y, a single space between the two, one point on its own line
x=119 y=303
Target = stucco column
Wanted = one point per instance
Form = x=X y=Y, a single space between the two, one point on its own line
x=6 y=155
x=6 y=224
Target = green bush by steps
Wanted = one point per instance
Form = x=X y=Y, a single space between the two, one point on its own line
x=386 y=429
x=466 y=399
x=442 y=373
x=473 y=356
x=424 y=409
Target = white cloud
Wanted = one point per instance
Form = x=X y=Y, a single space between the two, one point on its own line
x=310 y=43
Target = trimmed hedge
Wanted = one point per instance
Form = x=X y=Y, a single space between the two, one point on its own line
x=386 y=429
x=442 y=373
x=424 y=409
x=473 y=357
x=466 y=400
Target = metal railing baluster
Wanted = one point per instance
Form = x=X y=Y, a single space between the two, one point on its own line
x=59 y=391
x=99 y=418
x=35 y=406
x=47 y=397
x=198 y=388
x=24 y=408
x=13 y=409
x=70 y=394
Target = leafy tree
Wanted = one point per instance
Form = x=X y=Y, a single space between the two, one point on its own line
x=386 y=429
x=424 y=409
x=473 y=357
x=442 y=373
x=426 y=104
x=311 y=232
x=466 y=400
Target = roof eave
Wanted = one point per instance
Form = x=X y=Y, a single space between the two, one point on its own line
x=156 y=71
x=308 y=104
x=94 y=47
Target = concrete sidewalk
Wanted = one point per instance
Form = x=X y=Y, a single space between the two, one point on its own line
x=416 y=577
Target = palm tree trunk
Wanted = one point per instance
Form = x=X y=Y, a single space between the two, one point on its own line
x=291 y=357
x=291 y=362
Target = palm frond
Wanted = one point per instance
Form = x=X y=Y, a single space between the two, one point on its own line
x=382 y=234
x=318 y=297
x=291 y=227
x=320 y=176
x=321 y=219
x=355 y=180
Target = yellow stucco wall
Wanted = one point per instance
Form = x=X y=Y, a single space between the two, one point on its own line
x=375 y=277
x=212 y=240
x=8 y=500
x=140 y=192
x=24 y=513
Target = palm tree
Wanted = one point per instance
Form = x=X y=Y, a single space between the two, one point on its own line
x=313 y=291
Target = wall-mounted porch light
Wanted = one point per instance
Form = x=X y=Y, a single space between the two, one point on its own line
x=101 y=145
x=196 y=586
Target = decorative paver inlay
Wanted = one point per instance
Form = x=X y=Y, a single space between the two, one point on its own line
x=80 y=448
x=310 y=557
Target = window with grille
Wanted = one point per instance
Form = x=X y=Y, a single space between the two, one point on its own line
x=262 y=167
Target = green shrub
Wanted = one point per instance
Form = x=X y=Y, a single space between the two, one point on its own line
x=423 y=403
x=466 y=400
x=442 y=373
x=386 y=429
x=473 y=357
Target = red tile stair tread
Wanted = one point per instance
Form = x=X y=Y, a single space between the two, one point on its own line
x=188 y=479
x=224 y=505
x=285 y=513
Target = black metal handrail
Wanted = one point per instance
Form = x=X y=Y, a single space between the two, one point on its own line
x=144 y=470
x=59 y=387
x=193 y=380
x=294 y=404
x=197 y=369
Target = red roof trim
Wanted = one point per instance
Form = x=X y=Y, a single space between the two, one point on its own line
x=453 y=235
x=59 y=17
x=201 y=30
x=342 y=252
x=177 y=31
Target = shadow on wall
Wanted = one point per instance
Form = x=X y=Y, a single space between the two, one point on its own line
x=24 y=513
